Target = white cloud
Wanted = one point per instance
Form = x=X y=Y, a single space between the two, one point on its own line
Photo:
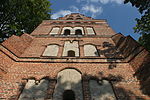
x=94 y=10
x=90 y=7
x=74 y=9
x=117 y=1
x=61 y=13
x=111 y=1
x=87 y=9
x=103 y=1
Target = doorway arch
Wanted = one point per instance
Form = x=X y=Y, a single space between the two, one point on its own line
x=69 y=81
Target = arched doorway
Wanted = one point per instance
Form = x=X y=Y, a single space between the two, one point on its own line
x=68 y=95
x=69 y=85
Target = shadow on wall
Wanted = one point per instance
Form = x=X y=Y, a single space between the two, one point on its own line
x=122 y=93
x=143 y=74
x=111 y=53
x=62 y=86
x=40 y=90
x=127 y=95
x=130 y=48
x=33 y=90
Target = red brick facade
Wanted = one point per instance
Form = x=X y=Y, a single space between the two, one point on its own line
x=119 y=61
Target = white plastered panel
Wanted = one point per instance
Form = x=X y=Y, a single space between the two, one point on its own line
x=90 y=31
x=68 y=79
x=54 y=31
x=101 y=92
x=90 y=50
x=71 y=46
x=32 y=90
x=51 y=50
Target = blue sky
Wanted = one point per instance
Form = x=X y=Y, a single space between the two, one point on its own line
x=121 y=17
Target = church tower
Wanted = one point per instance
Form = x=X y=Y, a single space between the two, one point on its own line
x=72 y=58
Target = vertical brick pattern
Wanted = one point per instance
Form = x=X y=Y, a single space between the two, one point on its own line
x=50 y=90
x=86 y=90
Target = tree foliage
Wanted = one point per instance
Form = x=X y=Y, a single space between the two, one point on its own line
x=143 y=24
x=145 y=41
x=19 y=16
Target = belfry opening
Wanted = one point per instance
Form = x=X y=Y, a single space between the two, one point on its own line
x=78 y=32
x=67 y=32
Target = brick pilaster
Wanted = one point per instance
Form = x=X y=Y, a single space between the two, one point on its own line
x=86 y=90
x=81 y=51
x=60 y=51
x=50 y=90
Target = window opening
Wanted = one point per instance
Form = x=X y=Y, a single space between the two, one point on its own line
x=71 y=53
x=68 y=95
x=67 y=32
x=78 y=32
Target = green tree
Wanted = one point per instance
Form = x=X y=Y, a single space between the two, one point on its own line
x=22 y=16
x=143 y=24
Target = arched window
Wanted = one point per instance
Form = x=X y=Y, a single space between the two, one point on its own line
x=68 y=95
x=71 y=53
x=67 y=32
x=78 y=32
